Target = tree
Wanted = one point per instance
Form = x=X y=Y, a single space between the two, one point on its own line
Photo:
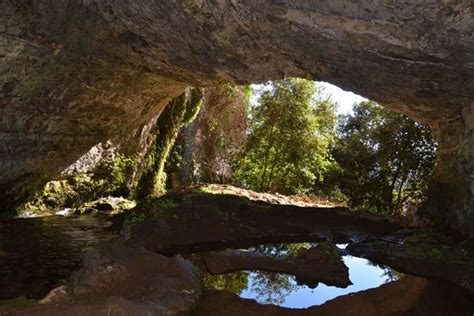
x=289 y=131
x=385 y=158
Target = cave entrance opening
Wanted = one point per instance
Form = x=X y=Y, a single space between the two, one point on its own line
x=314 y=139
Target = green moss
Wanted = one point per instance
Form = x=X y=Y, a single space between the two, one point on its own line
x=19 y=301
x=430 y=245
x=134 y=218
x=208 y=190
x=177 y=114
x=228 y=90
x=109 y=178
x=164 y=203
x=247 y=90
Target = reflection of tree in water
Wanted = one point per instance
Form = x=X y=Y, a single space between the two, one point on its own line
x=268 y=287
x=272 y=288
x=391 y=275
x=388 y=273
x=280 y=251
x=232 y=282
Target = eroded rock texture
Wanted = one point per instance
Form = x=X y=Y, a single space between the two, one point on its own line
x=210 y=143
x=76 y=73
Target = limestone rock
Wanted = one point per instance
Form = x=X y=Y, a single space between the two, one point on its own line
x=196 y=222
x=74 y=73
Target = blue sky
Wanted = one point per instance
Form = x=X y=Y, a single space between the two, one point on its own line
x=362 y=274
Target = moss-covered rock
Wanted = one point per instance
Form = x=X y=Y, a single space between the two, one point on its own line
x=180 y=112
x=107 y=205
x=85 y=191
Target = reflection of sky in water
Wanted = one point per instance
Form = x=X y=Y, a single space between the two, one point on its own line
x=361 y=272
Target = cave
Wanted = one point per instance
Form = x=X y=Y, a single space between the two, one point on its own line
x=75 y=74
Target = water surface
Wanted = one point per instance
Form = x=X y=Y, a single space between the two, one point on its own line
x=278 y=289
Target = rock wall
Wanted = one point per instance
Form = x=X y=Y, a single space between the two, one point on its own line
x=205 y=149
x=151 y=175
x=76 y=73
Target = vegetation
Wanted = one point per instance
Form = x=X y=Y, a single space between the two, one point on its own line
x=385 y=159
x=375 y=159
x=109 y=178
x=289 y=132
x=207 y=148
x=272 y=288
x=133 y=218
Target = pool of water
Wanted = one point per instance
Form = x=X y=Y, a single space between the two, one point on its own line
x=282 y=290
x=37 y=254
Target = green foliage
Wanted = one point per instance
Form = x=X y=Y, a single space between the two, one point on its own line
x=109 y=178
x=290 y=130
x=228 y=90
x=205 y=151
x=385 y=159
x=134 y=218
x=281 y=251
x=111 y=175
x=330 y=251
x=161 y=203
x=247 y=92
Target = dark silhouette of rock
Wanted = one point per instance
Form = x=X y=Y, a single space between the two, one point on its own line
x=197 y=222
x=310 y=266
x=431 y=257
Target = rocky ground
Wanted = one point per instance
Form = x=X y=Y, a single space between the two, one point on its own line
x=194 y=221
x=150 y=260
